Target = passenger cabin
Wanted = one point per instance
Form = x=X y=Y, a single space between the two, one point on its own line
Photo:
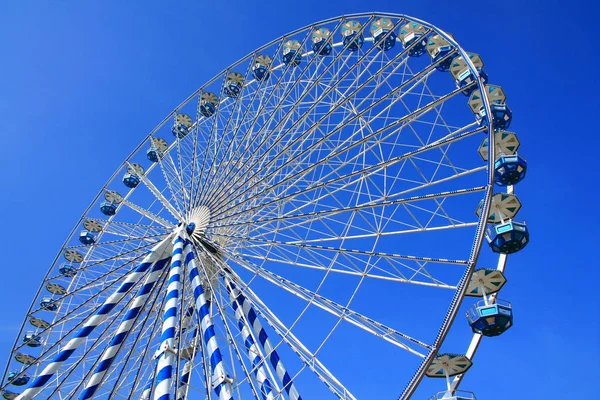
x=352 y=35
x=509 y=237
x=234 y=84
x=262 y=67
x=292 y=53
x=208 y=104
x=490 y=319
x=463 y=75
x=321 y=41
x=181 y=126
x=412 y=36
x=383 y=35
x=509 y=170
x=441 y=52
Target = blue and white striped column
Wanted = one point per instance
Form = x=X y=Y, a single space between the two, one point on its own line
x=220 y=380
x=184 y=381
x=252 y=318
x=123 y=330
x=254 y=353
x=164 y=368
x=157 y=254
x=148 y=388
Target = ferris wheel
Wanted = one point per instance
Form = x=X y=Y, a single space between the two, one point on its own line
x=308 y=224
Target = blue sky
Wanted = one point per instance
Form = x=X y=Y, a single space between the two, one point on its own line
x=79 y=81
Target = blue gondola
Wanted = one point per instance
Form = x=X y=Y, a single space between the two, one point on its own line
x=180 y=131
x=383 y=35
x=352 y=34
x=181 y=126
x=67 y=271
x=412 y=34
x=322 y=48
x=30 y=339
x=261 y=67
x=48 y=304
x=87 y=238
x=444 y=65
x=501 y=117
x=469 y=77
x=510 y=237
x=234 y=84
x=460 y=70
x=438 y=49
x=292 y=53
x=152 y=154
x=18 y=378
x=208 y=104
x=490 y=319
x=131 y=180
x=322 y=42
x=108 y=208
x=509 y=170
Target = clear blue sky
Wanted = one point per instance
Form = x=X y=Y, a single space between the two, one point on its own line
x=79 y=81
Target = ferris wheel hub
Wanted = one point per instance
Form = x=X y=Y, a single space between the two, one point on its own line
x=198 y=221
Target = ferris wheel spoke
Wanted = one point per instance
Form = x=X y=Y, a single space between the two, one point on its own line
x=181 y=155
x=308 y=217
x=343 y=150
x=339 y=104
x=241 y=122
x=122 y=382
x=172 y=178
x=285 y=117
x=369 y=325
x=211 y=150
x=74 y=314
x=146 y=213
x=128 y=229
x=69 y=369
x=420 y=76
x=125 y=256
x=119 y=243
x=305 y=244
x=356 y=174
x=392 y=267
x=116 y=343
x=91 y=323
x=107 y=341
x=390 y=272
x=308 y=358
x=239 y=218
x=159 y=196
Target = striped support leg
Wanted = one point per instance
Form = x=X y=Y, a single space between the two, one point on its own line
x=148 y=388
x=184 y=381
x=157 y=253
x=123 y=330
x=166 y=359
x=260 y=333
x=186 y=375
x=221 y=381
x=253 y=350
